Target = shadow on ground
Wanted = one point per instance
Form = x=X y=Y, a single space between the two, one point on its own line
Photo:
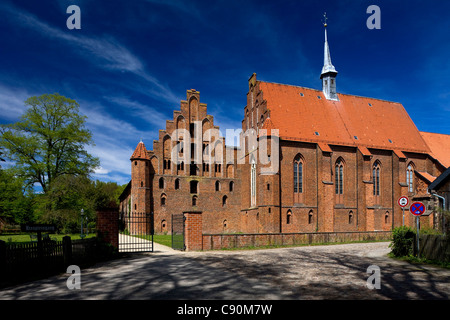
x=285 y=274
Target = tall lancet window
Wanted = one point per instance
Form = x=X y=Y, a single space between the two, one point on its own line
x=253 y=183
x=376 y=181
x=298 y=179
x=409 y=178
x=339 y=180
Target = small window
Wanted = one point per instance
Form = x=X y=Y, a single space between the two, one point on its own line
x=231 y=186
x=135 y=206
x=161 y=183
x=386 y=217
x=217 y=186
x=194 y=186
x=177 y=184
x=163 y=200
x=301 y=94
x=310 y=217
x=319 y=97
x=142 y=184
x=390 y=141
x=370 y=104
x=135 y=163
x=356 y=137
x=350 y=217
x=224 y=201
x=316 y=133
x=268 y=187
x=194 y=201
x=289 y=217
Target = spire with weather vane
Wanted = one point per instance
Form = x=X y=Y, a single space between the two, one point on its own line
x=329 y=73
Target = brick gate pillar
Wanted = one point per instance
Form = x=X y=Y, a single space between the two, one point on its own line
x=193 y=230
x=108 y=226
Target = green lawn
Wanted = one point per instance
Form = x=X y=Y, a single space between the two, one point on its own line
x=165 y=239
x=26 y=237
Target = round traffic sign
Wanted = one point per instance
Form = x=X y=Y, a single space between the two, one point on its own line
x=403 y=201
x=417 y=208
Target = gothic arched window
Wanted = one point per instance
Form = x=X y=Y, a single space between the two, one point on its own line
x=409 y=177
x=376 y=174
x=339 y=180
x=298 y=179
x=253 y=183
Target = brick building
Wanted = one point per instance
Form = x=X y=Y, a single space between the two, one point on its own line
x=342 y=161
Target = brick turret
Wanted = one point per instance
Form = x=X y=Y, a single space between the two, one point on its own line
x=140 y=179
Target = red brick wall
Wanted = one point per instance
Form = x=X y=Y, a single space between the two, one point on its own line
x=193 y=231
x=228 y=241
x=108 y=226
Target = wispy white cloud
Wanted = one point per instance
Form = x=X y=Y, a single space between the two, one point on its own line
x=115 y=140
x=12 y=102
x=144 y=112
x=105 y=52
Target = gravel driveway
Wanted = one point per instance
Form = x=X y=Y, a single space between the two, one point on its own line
x=312 y=272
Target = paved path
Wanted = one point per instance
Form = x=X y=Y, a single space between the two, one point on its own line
x=315 y=272
x=133 y=244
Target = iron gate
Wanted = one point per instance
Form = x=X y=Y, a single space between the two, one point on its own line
x=178 y=232
x=136 y=232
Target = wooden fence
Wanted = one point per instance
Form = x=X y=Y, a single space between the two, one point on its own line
x=23 y=261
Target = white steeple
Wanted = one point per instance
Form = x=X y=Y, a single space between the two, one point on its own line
x=329 y=73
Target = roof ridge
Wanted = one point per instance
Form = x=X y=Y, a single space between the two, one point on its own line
x=290 y=85
x=344 y=94
x=444 y=134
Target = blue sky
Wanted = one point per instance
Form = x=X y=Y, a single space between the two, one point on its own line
x=132 y=61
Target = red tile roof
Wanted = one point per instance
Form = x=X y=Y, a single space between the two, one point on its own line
x=439 y=145
x=140 y=152
x=303 y=114
x=427 y=176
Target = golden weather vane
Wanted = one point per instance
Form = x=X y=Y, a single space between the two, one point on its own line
x=325 y=19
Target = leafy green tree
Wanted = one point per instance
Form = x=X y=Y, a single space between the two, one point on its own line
x=49 y=141
x=16 y=203
x=62 y=203
x=1 y=154
x=107 y=194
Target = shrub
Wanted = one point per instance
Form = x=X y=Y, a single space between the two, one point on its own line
x=402 y=241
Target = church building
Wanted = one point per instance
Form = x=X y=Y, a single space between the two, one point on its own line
x=342 y=163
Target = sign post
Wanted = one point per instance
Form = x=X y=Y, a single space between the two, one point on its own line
x=38 y=228
x=417 y=209
x=403 y=202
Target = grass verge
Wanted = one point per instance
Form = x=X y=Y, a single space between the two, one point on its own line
x=24 y=238
x=420 y=261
